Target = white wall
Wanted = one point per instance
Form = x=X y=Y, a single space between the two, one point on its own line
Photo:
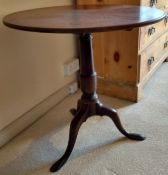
x=31 y=64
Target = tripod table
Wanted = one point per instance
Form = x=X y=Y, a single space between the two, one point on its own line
x=83 y=21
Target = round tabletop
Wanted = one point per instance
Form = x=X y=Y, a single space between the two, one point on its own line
x=80 y=19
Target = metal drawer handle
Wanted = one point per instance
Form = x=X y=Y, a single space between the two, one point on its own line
x=151 y=31
x=166 y=20
x=153 y=2
x=151 y=60
x=166 y=44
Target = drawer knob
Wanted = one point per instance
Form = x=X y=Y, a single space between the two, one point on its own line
x=153 y=2
x=151 y=60
x=151 y=31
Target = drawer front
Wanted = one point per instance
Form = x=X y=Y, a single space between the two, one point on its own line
x=149 y=33
x=150 y=57
x=162 y=4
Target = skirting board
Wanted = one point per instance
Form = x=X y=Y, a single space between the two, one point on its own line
x=32 y=115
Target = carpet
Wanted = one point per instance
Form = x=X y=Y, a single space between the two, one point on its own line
x=100 y=148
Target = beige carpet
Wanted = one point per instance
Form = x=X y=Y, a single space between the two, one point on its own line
x=100 y=148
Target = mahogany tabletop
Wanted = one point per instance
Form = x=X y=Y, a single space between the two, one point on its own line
x=80 y=19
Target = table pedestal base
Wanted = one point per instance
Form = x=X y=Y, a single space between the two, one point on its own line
x=89 y=103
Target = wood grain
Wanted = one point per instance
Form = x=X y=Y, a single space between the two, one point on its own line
x=83 y=19
x=107 y=2
x=122 y=71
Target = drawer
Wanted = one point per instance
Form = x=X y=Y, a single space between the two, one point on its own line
x=151 y=32
x=152 y=54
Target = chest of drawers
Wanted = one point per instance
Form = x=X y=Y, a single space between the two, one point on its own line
x=125 y=60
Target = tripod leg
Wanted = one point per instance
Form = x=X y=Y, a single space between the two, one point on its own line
x=114 y=116
x=74 y=128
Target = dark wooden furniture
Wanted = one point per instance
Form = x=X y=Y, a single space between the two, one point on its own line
x=84 y=20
